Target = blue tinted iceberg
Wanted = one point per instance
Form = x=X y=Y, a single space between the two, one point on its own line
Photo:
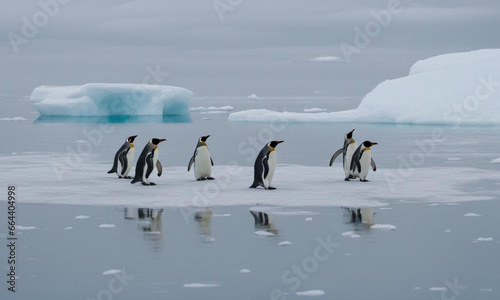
x=107 y=99
x=457 y=88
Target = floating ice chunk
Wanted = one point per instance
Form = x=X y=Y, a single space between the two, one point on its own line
x=107 y=226
x=309 y=219
x=253 y=97
x=311 y=293
x=472 y=215
x=245 y=271
x=285 y=243
x=221 y=215
x=383 y=227
x=486 y=290
x=424 y=96
x=348 y=233
x=264 y=233
x=495 y=161
x=438 y=289
x=13 y=119
x=106 y=99
x=447 y=230
x=314 y=110
x=68 y=228
x=417 y=288
x=484 y=239
x=111 y=272
x=326 y=59
x=82 y=217
x=19 y=227
x=200 y=285
x=355 y=236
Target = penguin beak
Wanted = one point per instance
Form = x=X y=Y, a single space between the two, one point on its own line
x=162 y=140
x=352 y=131
x=207 y=136
x=279 y=142
x=374 y=144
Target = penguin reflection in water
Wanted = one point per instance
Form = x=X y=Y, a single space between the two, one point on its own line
x=124 y=158
x=147 y=161
x=361 y=161
x=202 y=160
x=264 y=166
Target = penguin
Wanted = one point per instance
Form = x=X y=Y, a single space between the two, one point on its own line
x=147 y=162
x=264 y=166
x=202 y=160
x=124 y=158
x=347 y=151
x=361 y=161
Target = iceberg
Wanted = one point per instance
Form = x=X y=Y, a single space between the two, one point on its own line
x=456 y=88
x=107 y=99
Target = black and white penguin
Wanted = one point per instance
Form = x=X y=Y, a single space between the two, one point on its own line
x=361 y=161
x=264 y=166
x=147 y=162
x=347 y=151
x=202 y=160
x=124 y=158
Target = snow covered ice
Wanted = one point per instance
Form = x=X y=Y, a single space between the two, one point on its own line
x=106 y=99
x=430 y=94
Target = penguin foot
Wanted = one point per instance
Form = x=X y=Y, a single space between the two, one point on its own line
x=364 y=180
x=152 y=183
x=271 y=188
x=128 y=177
x=144 y=183
x=210 y=178
x=347 y=179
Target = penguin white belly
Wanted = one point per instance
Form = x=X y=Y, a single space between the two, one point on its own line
x=272 y=165
x=365 y=163
x=130 y=160
x=202 y=163
x=348 y=157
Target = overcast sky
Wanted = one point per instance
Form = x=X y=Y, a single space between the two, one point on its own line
x=266 y=47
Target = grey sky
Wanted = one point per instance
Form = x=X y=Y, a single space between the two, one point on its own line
x=262 y=46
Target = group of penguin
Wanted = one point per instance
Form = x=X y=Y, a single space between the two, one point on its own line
x=356 y=161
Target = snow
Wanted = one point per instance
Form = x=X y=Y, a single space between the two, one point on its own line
x=314 y=110
x=212 y=108
x=484 y=239
x=13 y=119
x=245 y=271
x=108 y=99
x=111 y=272
x=285 y=243
x=311 y=293
x=495 y=161
x=316 y=184
x=264 y=233
x=19 y=227
x=200 y=285
x=430 y=94
x=383 y=227
x=472 y=215
x=107 y=226
x=82 y=217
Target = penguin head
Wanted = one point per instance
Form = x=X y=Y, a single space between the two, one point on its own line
x=273 y=144
x=156 y=141
x=131 y=139
x=203 y=139
x=368 y=144
x=348 y=136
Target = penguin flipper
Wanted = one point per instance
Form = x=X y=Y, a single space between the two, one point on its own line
x=149 y=161
x=191 y=161
x=212 y=161
x=266 y=167
x=159 y=168
x=335 y=156
x=374 y=166
x=123 y=160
